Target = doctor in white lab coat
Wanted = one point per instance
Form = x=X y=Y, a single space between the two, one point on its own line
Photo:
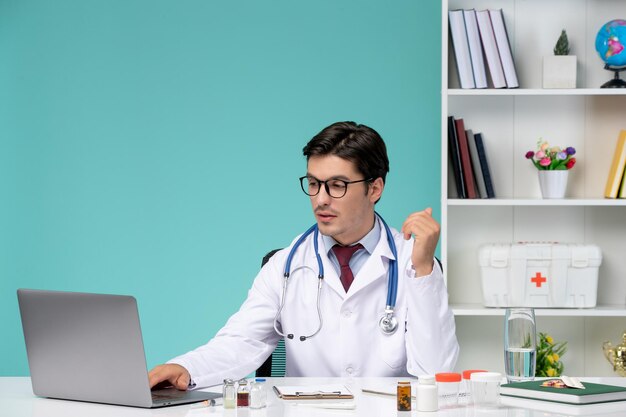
x=346 y=170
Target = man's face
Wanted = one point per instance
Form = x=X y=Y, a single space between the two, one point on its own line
x=349 y=218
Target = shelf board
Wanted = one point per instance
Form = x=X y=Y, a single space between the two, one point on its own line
x=536 y=202
x=536 y=92
x=599 y=311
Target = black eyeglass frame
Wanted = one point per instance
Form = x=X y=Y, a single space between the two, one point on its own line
x=345 y=190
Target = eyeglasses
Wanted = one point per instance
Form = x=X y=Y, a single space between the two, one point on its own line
x=334 y=188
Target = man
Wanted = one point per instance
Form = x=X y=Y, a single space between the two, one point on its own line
x=334 y=329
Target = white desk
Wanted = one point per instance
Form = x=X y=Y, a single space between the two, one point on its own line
x=17 y=400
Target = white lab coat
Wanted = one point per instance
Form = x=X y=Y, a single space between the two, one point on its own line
x=350 y=342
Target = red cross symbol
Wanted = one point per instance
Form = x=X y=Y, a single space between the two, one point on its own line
x=538 y=279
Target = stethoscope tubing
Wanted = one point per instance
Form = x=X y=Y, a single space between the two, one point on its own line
x=392 y=284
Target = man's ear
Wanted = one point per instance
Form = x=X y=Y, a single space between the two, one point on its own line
x=376 y=189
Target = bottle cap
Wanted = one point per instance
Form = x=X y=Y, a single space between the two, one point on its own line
x=448 y=377
x=467 y=373
x=487 y=377
x=426 y=379
x=260 y=380
x=228 y=381
x=243 y=381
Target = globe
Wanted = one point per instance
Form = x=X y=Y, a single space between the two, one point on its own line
x=610 y=43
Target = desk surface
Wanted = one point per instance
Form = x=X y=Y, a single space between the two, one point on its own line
x=17 y=400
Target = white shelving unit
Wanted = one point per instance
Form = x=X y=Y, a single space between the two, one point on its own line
x=512 y=120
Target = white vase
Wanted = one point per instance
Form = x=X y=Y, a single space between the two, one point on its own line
x=553 y=183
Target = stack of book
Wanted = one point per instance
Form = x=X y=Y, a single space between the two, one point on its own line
x=468 y=158
x=616 y=182
x=478 y=36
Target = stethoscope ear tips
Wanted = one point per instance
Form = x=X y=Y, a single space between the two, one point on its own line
x=289 y=336
x=302 y=338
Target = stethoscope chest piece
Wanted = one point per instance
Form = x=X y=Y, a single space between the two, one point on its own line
x=388 y=323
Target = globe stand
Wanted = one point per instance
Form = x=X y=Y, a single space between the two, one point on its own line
x=616 y=82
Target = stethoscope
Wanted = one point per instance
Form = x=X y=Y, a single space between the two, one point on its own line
x=388 y=323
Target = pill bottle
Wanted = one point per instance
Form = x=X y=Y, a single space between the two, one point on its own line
x=258 y=395
x=427 y=397
x=448 y=388
x=403 y=396
x=486 y=389
x=229 y=394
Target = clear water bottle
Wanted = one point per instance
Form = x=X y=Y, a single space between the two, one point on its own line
x=258 y=393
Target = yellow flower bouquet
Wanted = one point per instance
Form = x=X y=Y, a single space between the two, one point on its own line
x=549 y=356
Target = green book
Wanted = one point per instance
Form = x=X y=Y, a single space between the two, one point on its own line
x=593 y=393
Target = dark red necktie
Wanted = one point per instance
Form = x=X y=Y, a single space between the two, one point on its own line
x=344 y=253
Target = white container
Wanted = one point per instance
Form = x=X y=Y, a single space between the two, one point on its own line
x=427 y=394
x=486 y=389
x=448 y=389
x=540 y=275
x=465 y=393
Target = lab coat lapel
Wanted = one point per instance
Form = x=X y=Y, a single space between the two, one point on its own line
x=374 y=268
x=330 y=275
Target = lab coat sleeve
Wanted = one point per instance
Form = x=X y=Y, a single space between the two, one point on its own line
x=247 y=339
x=431 y=342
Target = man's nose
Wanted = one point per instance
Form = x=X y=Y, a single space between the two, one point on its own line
x=323 y=198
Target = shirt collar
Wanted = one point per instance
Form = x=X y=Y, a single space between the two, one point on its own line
x=369 y=241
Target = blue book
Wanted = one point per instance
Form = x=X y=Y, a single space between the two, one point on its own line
x=484 y=165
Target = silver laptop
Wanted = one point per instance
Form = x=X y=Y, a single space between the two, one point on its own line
x=88 y=347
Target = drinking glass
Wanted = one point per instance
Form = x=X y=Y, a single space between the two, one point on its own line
x=520 y=348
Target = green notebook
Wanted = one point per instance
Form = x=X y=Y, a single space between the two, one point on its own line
x=593 y=393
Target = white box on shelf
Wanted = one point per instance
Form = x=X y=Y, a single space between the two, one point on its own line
x=540 y=274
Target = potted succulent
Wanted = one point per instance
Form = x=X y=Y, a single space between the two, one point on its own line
x=559 y=70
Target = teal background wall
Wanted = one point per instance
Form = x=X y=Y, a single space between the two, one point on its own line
x=152 y=147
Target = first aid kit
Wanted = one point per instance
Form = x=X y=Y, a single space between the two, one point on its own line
x=539 y=274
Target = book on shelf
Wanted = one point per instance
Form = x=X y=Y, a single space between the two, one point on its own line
x=461 y=48
x=478 y=172
x=616 y=172
x=491 y=49
x=622 y=188
x=475 y=48
x=466 y=161
x=593 y=393
x=504 y=48
x=484 y=165
x=455 y=158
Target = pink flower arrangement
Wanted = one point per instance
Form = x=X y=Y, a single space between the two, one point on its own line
x=552 y=157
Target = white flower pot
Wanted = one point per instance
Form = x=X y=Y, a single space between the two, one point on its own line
x=553 y=183
x=559 y=71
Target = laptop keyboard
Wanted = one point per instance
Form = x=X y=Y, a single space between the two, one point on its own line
x=164 y=395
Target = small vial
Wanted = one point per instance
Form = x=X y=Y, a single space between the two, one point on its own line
x=404 y=396
x=229 y=393
x=258 y=395
x=243 y=394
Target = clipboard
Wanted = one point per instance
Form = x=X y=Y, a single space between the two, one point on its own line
x=313 y=392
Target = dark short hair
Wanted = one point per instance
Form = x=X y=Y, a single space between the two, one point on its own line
x=359 y=144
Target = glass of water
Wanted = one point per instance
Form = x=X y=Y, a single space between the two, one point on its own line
x=520 y=348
